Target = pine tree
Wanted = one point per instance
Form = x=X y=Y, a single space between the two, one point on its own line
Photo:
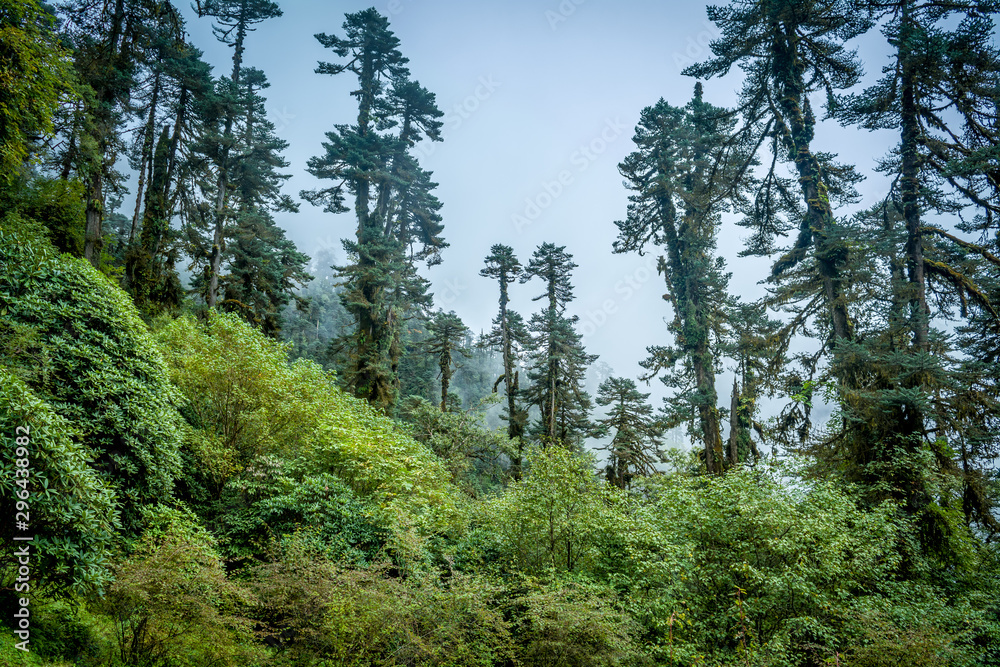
x=510 y=337
x=249 y=266
x=634 y=448
x=264 y=267
x=757 y=347
x=181 y=81
x=446 y=338
x=393 y=202
x=940 y=95
x=788 y=50
x=234 y=19
x=106 y=41
x=683 y=173
x=558 y=366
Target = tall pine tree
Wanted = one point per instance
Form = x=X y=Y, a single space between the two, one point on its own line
x=397 y=214
x=635 y=446
x=683 y=174
x=558 y=366
x=509 y=336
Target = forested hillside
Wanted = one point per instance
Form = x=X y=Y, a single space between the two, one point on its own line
x=217 y=450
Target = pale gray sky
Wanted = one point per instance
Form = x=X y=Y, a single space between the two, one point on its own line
x=540 y=100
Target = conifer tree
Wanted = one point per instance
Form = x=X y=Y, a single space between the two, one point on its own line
x=248 y=266
x=394 y=205
x=634 y=448
x=558 y=365
x=264 y=267
x=788 y=50
x=940 y=95
x=446 y=338
x=234 y=19
x=683 y=173
x=509 y=336
x=106 y=41
x=757 y=348
x=181 y=82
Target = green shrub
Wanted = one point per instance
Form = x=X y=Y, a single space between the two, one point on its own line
x=551 y=519
x=65 y=631
x=320 y=508
x=246 y=402
x=77 y=341
x=171 y=603
x=73 y=513
x=574 y=624
x=320 y=614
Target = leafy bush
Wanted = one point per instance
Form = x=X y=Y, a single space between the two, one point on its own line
x=320 y=508
x=757 y=568
x=321 y=614
x=73 y=513
x=551 y=519
x=574 y=624
x=64 y=630
x=171 y=603
x=77 y=341
x=61 y=206
x=471 y=451
x=246 y=401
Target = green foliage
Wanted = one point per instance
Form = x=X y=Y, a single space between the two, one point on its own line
x=28 y=102
x=551 y=519
x=756 y=567
x=239 y=389
x=59 y=205
x=471 y=451
x=68 y=631
x=319 y=509
x=73 y=512
x=171 y=603
x=377 y=459
x=9 y=655
x=77 y=341
x=246 y=401
x=321 y=614
x=571 y=624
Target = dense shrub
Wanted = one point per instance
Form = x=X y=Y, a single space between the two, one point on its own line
x=319 y=508
x=574 y=624
x=171 y=603
x=73 y=512
x=245 y=402
x=551 y=519
x=77 y=341
x=319 y=613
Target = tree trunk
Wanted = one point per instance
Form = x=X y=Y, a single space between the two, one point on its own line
x=910 y=188
x=816 y=223
x=147 y=151
x=708 y=414
x=93 y=239
x=734 y=424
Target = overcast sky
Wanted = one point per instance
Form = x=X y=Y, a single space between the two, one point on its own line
x=540 y=101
